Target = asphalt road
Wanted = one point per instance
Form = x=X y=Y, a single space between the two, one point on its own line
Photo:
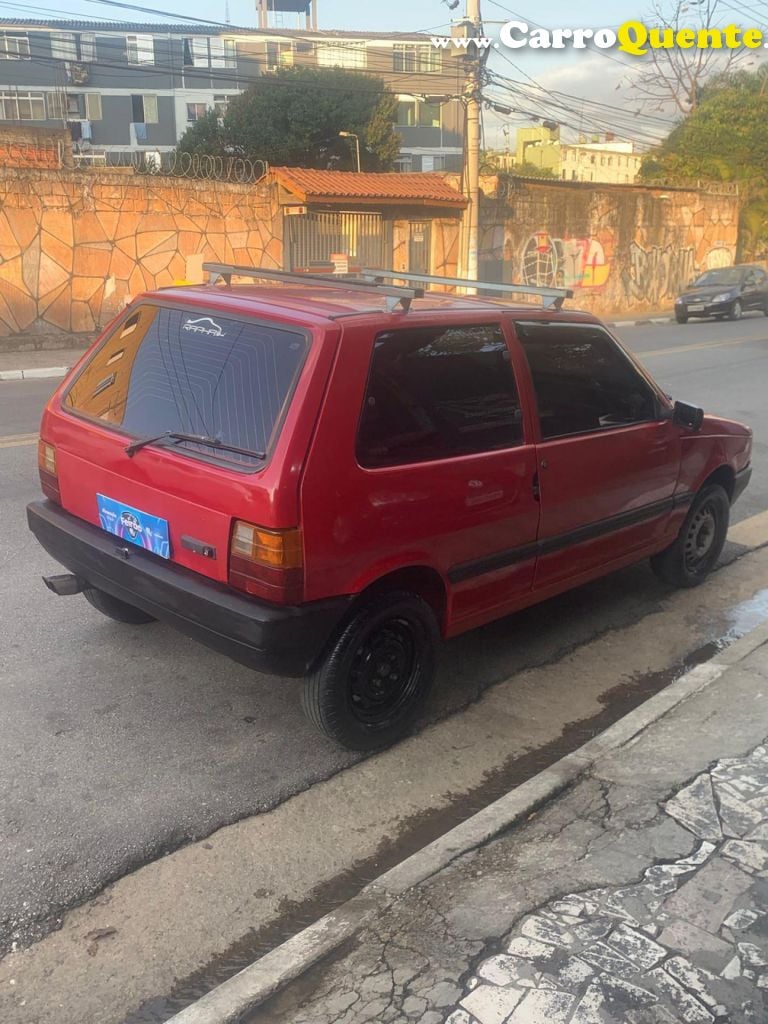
x=120 y=743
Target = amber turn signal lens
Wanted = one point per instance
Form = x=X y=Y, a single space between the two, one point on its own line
x=280 y=549
x=46 y=457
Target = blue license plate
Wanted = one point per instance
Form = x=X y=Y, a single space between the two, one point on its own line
x=137 y=527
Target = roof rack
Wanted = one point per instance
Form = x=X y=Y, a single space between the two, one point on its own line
x=551 y=297
x=395 y=295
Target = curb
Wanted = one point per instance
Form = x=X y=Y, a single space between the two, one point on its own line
x=255 y=984
x=641 y=323
x=36 y=373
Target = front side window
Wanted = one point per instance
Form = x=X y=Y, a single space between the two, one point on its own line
x=582 y=379
x=437 y=393
x=194 y=372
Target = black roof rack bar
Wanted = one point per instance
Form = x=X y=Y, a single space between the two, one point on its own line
x=395 y=295
x=550 y=296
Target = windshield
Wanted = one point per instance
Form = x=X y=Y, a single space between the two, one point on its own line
x=167 y=370
x=725 y=275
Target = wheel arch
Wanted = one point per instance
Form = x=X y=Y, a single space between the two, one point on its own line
x=724 y=476
x=422 y=580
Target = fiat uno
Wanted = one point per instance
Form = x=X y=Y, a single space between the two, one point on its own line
x=322 y=478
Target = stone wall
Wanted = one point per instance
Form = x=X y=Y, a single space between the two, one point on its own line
x=76 y=245
x=621 y=248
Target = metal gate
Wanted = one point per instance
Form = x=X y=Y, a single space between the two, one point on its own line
x=419 y=246
x=314 y=237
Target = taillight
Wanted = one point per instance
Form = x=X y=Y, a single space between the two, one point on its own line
x=46 y=465
x=267 y=563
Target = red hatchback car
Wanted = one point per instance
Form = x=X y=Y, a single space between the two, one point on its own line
x=322 y=478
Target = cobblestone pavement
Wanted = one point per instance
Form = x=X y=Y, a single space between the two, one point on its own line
x=638 y=896
x=687 y=944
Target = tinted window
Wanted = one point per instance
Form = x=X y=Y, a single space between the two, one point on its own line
x=194 y=372
x=583 y=381
x=437 y=392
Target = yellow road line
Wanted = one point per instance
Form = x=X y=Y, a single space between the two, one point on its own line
x=18 y=440
x=697 y=346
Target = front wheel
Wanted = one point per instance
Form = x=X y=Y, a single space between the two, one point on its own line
x=377 y=675
x=115 y=609
x=682 y=318
x=695 y=552
x=735 y=311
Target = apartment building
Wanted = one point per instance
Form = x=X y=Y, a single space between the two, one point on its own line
x=135 y=87
x=605 y=160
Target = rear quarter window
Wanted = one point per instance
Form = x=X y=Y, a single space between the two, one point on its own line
x=196 y=372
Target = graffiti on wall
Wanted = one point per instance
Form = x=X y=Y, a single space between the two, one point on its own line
x=658 y=272
x=564 y=262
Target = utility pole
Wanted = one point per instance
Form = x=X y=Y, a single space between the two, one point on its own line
x=473 y=97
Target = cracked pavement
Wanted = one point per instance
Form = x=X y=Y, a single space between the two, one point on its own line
x=638 y=896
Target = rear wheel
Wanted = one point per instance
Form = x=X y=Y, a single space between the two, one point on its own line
x=377 y=675
x=695 y=552
x=736 y=311
x=115 y=609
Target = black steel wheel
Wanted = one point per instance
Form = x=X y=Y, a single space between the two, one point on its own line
x=682 y=318
x=695 y=552
x=377 y=675
x=116 y=609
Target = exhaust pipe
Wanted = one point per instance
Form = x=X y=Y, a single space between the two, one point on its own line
x=65 y=584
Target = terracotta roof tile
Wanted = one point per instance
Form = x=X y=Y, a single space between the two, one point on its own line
x=382 y=189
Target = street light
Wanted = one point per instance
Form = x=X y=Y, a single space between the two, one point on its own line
x=351 y=135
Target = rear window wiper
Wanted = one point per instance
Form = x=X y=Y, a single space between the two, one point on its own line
x=209 y=442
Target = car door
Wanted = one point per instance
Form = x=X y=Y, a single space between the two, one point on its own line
x=608 y=461
x=440 y=471
x=755 y=293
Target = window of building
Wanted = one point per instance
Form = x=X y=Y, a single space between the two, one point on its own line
x=582 y=379
x=87 y=46
x=418 y=114
x=140 y=49
x=22 y=106
x=144 y=109
x=93 y=106
x=210 y=52
x=75 y=106
x=56 y=105
x=279 y=55
x=592 y=159
x=196 y=111
x=342 y=54
x=220 y=104
x=14 y=47
x=64 y=46
x=417 y=58
x=436 y=393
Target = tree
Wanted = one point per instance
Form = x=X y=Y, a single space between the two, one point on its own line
x=724 y=139
x=294 y=116
x=675 y=75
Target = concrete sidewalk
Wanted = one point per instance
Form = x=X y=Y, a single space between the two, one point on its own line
x=639 y=895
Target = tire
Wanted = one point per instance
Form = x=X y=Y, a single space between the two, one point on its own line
x=695 y=552
x=735 y=312
x=682 y=318
x=115 y=609
x=377 y=675
x=765 y=309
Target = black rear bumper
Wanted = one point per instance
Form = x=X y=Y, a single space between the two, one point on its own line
x=269 y=638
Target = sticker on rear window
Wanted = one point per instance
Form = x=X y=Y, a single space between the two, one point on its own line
x=204 y=325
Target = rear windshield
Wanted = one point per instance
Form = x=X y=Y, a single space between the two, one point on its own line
x=195 y=372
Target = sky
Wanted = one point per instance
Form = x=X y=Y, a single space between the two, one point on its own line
x=582 y=75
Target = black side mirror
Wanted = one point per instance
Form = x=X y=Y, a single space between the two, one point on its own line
x=689 y=416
